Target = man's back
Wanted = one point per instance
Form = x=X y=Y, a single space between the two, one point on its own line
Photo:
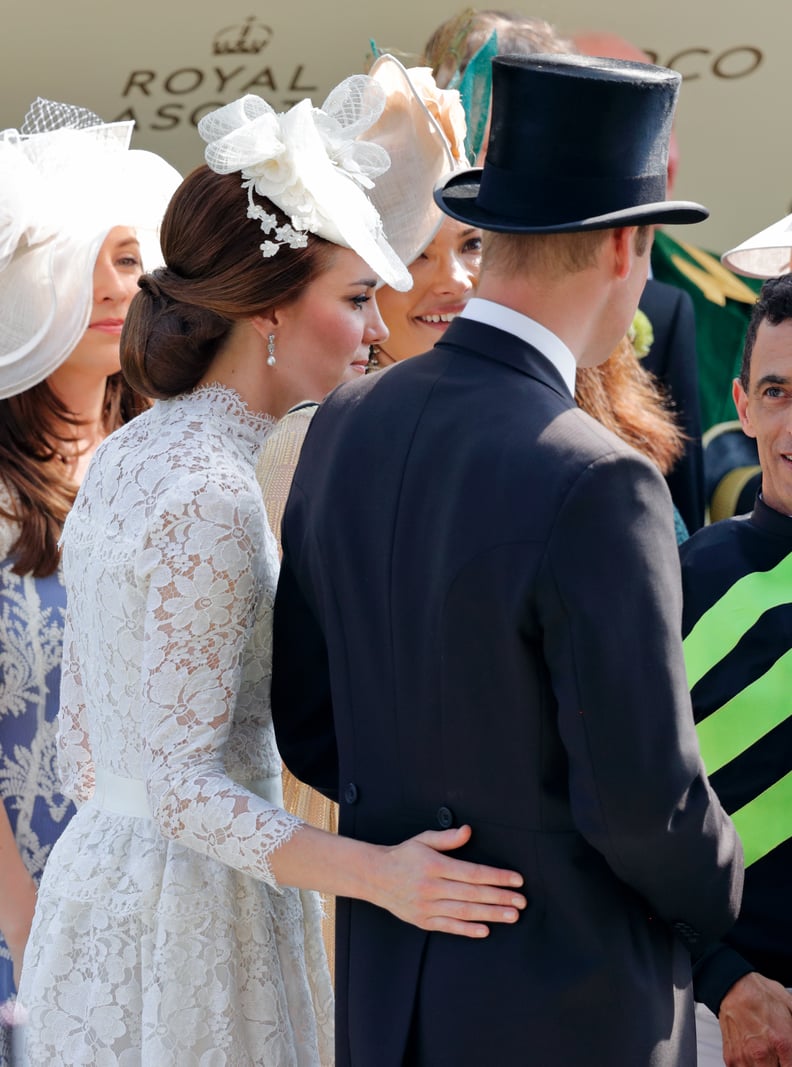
x=483 y=563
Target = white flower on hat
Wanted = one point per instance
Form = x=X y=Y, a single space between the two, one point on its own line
x=339 y=131
x=308 y=163
x=246 y=136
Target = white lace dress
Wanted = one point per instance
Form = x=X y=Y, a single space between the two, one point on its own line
x=161 y=937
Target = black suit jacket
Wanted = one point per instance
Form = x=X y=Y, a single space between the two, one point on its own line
x=478 y=620
x=672 y=358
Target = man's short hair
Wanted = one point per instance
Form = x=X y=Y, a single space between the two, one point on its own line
x=775 y=306
x=551 y=255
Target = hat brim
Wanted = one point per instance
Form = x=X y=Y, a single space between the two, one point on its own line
x=457 y=197
x=421 y=157
x=767 y=254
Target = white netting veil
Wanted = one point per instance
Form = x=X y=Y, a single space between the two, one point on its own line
x=310 y=164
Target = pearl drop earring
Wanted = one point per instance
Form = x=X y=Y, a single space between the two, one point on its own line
x=271 y=350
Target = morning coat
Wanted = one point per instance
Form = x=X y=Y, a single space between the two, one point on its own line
x=478 y=621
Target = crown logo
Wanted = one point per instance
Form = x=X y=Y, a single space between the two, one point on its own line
x=248 y=39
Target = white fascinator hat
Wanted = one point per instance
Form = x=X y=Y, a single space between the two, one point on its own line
x=66 y=179
x=423 y=129
x=767 y=254
x=313 y=165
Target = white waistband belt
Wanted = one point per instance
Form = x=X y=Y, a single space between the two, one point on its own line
x=121 y=796
x=127 y=796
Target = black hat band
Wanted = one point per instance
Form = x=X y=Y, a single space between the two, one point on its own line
x=543 y=202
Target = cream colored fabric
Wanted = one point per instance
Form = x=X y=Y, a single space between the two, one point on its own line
x=275 y=470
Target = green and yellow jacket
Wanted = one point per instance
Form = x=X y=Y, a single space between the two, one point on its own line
x=737 y=627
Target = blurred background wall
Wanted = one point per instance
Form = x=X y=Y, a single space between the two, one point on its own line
x=166 y=62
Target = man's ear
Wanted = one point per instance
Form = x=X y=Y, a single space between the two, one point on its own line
x=622 y=247
x=740 y=398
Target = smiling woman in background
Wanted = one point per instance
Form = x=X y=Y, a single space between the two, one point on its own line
x=78 y=207
x=424 y=132
x=444 y=276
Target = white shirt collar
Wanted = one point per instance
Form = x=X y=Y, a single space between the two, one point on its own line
x=529 y=330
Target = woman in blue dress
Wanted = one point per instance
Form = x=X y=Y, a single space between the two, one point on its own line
x=82 y=217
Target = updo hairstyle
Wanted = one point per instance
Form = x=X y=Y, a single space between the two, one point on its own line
x=215 y=275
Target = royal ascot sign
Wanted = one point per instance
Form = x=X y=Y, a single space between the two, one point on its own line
x=160 y=101
x=737 y=61
x=166 y=63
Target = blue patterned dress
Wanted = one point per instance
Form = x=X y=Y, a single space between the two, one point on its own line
x=31 y=638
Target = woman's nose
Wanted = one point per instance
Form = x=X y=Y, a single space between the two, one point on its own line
x=376 y=332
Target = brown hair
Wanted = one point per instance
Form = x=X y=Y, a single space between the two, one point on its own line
x=215 y=275
x=455 y=41
x=774 y=304
x=551 y=255
x=631 y=402
x=34 y=425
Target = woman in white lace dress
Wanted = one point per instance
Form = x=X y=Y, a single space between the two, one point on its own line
x=68 y=271
x=174 y=925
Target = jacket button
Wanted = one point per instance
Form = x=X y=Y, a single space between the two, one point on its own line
x=445 y=818
x=351 y=793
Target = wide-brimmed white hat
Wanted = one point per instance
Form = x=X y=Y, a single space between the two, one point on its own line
x=66 y=179
x=767 y=254
x=423 y=130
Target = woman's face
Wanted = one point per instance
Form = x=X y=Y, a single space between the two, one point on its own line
x=323 y=337
x=444 y=277
x=115 y=276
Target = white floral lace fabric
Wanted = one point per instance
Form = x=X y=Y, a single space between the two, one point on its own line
x=165 y=940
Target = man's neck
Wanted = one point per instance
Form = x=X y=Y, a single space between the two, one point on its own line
x=549 y=304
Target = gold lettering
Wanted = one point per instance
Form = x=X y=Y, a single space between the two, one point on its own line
x=196 y=78
x=171 y=112
x=223 y=79
x=139 y=79
x=125 y=116
x=755 y=60
x=294 y=87
x=263 y=80
x=674 y=61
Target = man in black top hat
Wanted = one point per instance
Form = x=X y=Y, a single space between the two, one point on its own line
x=478 y=621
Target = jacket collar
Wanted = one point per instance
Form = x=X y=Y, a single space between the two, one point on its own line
x=500 y=346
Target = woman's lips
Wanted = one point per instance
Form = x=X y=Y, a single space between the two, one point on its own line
x=107 y=326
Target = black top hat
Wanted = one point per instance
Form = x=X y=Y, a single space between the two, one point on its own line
x=576 y=143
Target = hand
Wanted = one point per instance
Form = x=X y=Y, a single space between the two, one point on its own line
x=756 y=1023
x=435 y=892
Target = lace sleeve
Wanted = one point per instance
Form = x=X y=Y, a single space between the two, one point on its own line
x=198 y=564
x=75 y=762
